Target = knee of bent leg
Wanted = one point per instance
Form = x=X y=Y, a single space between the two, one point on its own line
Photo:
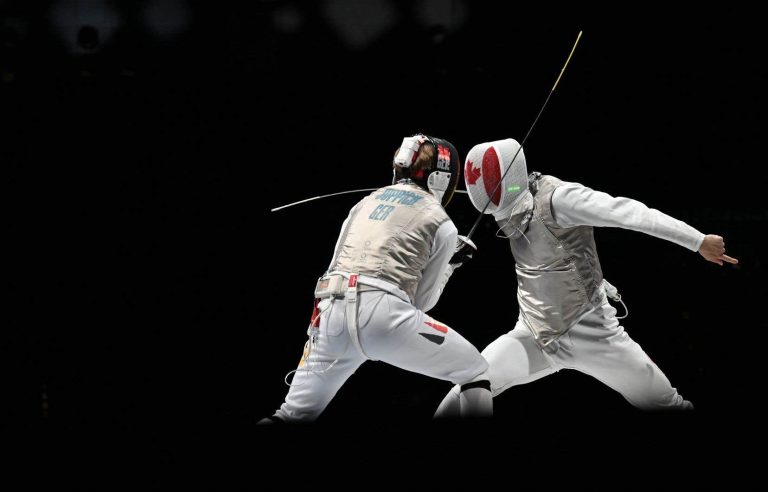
x=477 y=371
x=482 y=380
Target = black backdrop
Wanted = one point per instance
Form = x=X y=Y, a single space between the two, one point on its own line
x=154 y=294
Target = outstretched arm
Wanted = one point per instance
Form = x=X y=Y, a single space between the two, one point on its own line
x=574 y=204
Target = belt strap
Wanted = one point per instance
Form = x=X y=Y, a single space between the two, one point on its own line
x=351 y=312
x=336 y=286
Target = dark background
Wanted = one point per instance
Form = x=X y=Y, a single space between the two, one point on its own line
x=155 y=298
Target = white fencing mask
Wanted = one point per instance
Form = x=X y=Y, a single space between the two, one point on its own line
x=485 y=165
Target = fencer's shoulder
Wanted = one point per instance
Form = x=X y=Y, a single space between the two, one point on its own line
x=412 y=195
x=551 y=180
x=427 y=199
x=543 y=185
x=434 y=212
x=570 y=194
x=437 y=210
x=565 y=185
x=377 y=193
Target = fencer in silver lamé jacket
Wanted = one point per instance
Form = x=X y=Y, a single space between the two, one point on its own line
x=559 y=278
x=386 y=234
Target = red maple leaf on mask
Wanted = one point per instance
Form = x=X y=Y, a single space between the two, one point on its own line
x=471 y=173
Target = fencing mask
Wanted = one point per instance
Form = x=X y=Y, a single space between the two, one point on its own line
x=441 y=176
x=486 y=164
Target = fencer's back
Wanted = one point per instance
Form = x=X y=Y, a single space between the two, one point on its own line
x=390 y=235
x=558 y=272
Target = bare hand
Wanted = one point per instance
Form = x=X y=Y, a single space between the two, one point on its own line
x=713 y=249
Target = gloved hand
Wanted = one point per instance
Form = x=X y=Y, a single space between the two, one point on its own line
x=465 y=248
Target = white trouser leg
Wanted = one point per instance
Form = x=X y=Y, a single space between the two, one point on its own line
x=513 y=358
x=392 y=331
x=475 y=398
x=395 y=332
x=330 y=363
x=599 y=346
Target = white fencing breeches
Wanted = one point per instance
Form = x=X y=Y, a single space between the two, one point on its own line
x=392 y=331
x=597 y=346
